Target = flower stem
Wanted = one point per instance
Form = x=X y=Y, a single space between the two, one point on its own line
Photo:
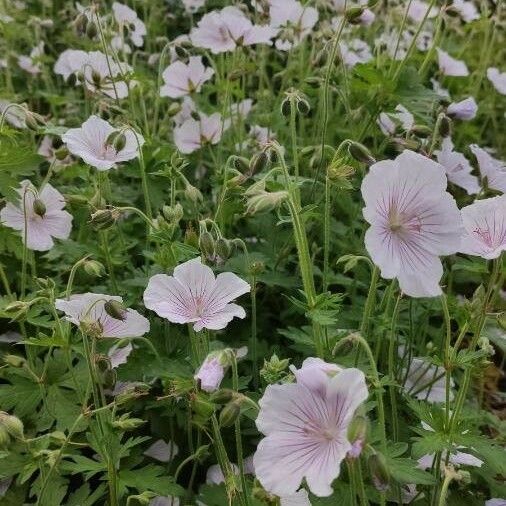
x=391 y=372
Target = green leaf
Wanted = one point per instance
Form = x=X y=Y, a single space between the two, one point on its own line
x=153 y=478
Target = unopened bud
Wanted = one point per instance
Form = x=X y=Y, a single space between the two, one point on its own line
x=206 y=244
x=202 y=407
x=313 y=82
x=14 y=360
x=61 y=153
x=501 y=320
x=257 y=268
x=422 y=131
x=193 y=193
x=286 y=107
x=39 y=208
x=445 y=126
x=222 y=396
x=241 y=164
x=353 y=14
x=12 y=424
x=91 y=30
x=181 y=52
x=116 y=310
x=16 y=306
x=93 y=268
x=173 y=109
x=126 y=423
x=360 y=153
x=96 y=78
x=119 y=142
x=223 y=248
x=258 y=162
x=229 y=414
x=303 y=107
x=379 y=472
x=5 y=439
x=81 y=23
x=103 y=219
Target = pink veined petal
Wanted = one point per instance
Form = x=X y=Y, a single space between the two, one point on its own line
x=197 y=278
x=176 y=80
x=218 y=320
x=260 y=34
x=52 y=198
x=119 y=355
x=58 y=224
x=300 y=498
x=162 y=451
x=133 y=325
x=12 y=217
x=314 y=374
x=169 y=299
x=422 y=279
x=225 y=289
x=38 y=237
x=187 y=136
x=382 y=247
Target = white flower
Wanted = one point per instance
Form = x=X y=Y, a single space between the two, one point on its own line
x=162 y=451
x=193 y=5
x=102 y=74
x=495 y=502
x=467 y=10
x=418 y=10
x=293 y=20
x=498 y=79
x=31 y=64
x=118 y=355
x=388 y=122
x=413 y=221
x=485 y=227
x=442 y=92
x=89 y=142
x=221 y=31
x=355 y=51
x=306 y=424
x=300 y=498
x=465 y=109
x=185 y=78
x=164 y=501
x=70 y=62
x=45 y=218
x=89 y=311
x=214 y=475
x=491 y=168
x=425 y=381
x=127 y=18
x=14 y=116
x=450 y=66
x=194 y=295
x=457 y=167
x=193 y=134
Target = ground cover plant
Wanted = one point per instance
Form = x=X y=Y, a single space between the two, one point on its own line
x=252 y=252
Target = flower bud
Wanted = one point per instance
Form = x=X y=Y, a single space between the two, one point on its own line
x=34 y=121
x=173 y=109
x=5 y=439
x=313 y=82
x=116 y=310
x=39 y=208
x=91 y=29
x=303 y=106
x=353 y=14
x=422 y=131
x=223 y=248
x=103 y=219
x=257 y=268
x=16 y=306
x=96 y=78
x=81 y=23
x=501 y=320
x=93 y=268
x=206 y=244
x=119 y=142
x=222 y=396
x=181 y=52
x=258 y=162
x=173 y=214
x=202 y=407
x=229 y=414
x=360 y=153
x=61 y=153
x=357 y=435
x=379 y=472
x=191 y=238
x=286 y=107
x=14 y=360
x=12 y=424
x=265 y=201
x=126 y=423
x=240 y=163
x=445 y=126
x=192 y=193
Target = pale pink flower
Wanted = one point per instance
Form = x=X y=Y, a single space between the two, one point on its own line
x=450 y=66
x=241 y=109
x=498 y=79
x=418 y=9
x=293 y=21
x=118 y=355
x=12 y=115
x=31 y=63
x=413 y=221
x=425 y=381
x=306 y=424
x=101 y=75
x=457 y=167
x=185 y=78
x=224 y=30
x=127 y=19
x=45 y=217
x=187 y=108
x=164 y=501
x=70 y=62
x=210 y=374
x=194 y=295
x=485 y=227
x=47 y=149
x=495 y=502
x=214 y=475
x=389 y=122
x=466 y=9
x=438 y=88
x=300 y=498
x=354 y=52
x=162 y=451
x=88 y=311
x=89 y=142
x=193 y=5
x=465 y=109
x=491 y=168
x=11 y=337
x=193 y=134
